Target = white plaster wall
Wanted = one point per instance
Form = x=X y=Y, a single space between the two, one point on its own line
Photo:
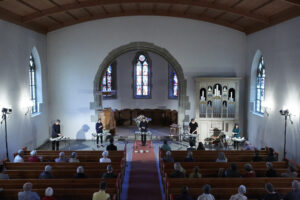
x=16 y=44
x=75 y=53
x=280 y=47
x=159 y=90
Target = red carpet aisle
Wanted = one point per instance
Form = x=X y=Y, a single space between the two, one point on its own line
x=143 y=182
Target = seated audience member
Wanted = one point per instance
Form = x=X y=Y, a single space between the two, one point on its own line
x=271 y=194
x=233 y=171
x=271 y=156
x=291 y=172
x=249 y=170
x=195 y=173
x=221 y=157
x=165 y=146
x=168 y=158
x=27 y=194
x=109 y=173
x=61 y=157
x=184 y=194
x=271 y=171
x=3 y=176
x=248 y=146
x=111 y=146
x=295 y=194
x=189 y=157
x=33 y=157
x=105 y=158
x=200 y=147
x=257 y=157
x=80 y=172
x=49 y=194
x=178 y=172
x=206 y=193
x=47 y=173
x=240 y=195
x=73 y=158
x=19 y=156
x=101 y=195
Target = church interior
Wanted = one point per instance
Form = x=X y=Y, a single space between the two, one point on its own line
x=230 y=66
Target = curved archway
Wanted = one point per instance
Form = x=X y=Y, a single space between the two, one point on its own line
x=183 y=103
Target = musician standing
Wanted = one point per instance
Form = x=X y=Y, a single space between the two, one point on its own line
x=144 y=129
x=99 y=130
x=56 y=133
x=193 y=125
x=236 y=134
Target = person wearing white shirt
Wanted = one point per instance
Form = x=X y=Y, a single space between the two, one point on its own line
x=104 y=158
x=18 y=157
x=240 y=195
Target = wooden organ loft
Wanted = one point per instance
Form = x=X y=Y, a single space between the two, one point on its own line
x=216 y=105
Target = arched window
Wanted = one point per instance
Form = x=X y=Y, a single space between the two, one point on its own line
x=32 y=84
x=142 y=76
x=260 y=86
x=109 y=81
x=173 y=84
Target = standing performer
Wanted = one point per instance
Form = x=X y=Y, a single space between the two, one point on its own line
x=236 y=134
x=193 y=130
x=99 y=130
x=144 y=129
x=56 y=133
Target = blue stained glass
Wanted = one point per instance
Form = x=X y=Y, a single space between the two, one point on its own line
x=145 y=90
x=139 y=90
x=142 y=77
x=145 y=80
x=139 y=80
x=142 y=58
x=107 y=80
x=260 y=86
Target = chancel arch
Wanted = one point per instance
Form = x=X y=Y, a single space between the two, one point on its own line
x=183 y=104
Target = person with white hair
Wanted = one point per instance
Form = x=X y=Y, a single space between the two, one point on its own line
x=49 y=194
x=109 y=173
x=33 y=157
x=19 y=156
x=295 y=194
x=248 y=146
x=178 y=172
x=47 y=173
x=105 y=158
x=73 y=158
x=240 y=195
x=61 y=157
x=27 y=193
x=206 y=195
x=80 y=173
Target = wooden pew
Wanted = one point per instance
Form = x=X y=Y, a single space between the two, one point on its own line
x=61 y=194
x=59 y=174
x=47 y=152
x=82 y=158
x=225 y=193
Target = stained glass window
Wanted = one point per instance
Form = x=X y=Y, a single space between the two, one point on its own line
x=173 y=83
x=260 y=86
x=142 y=77
x=32 y=84
x=108 y=81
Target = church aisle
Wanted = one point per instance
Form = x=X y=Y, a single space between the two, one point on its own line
x=144 y=180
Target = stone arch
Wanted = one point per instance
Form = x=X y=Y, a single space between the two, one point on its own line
x=183 y=103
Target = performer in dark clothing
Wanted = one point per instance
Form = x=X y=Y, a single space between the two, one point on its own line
x=56 y=133
x=144 y=129
x=111 y=146
x=193 y=130
x=99 y=130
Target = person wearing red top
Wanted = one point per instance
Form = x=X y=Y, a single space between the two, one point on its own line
x=33 y=157
x=49 y=194
x=249 y=170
